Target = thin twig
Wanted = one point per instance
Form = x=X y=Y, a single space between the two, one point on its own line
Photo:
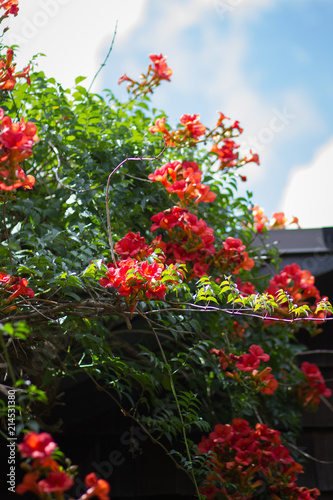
x=6 y=231
x=173 y=389
x=14 y=103
x=9 y=365
x=107 y=194
x=138 y=178
x=257 y=415
x=236 y=312
x=326 y=462
x=327 y=403
x=60 y=181
x=315 y=351
x=168 y=328
x=106 y=58
x=83 y=309
x=89 y=307
x=35 y=309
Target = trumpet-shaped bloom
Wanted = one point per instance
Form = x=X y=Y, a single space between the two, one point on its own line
x=16 y=141
x=29 y=483
x=11 y=7
x=192 y=124
x=161 y=69
x=37 y=445
x=131 y=245
x=314 y=387
x=7 y=72
x=97 y=487
x=56 y=482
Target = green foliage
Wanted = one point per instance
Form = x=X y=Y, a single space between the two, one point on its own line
x=155 y=362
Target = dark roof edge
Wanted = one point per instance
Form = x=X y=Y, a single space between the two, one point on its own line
x=317 y=240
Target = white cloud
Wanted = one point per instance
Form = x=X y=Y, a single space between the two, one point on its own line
x=275 y=126
x=241 y=8
x=73 y=34
x=214 y=77
x=308 y=194
x=208 y=55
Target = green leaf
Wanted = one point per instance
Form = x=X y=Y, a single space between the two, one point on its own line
x=79 y=79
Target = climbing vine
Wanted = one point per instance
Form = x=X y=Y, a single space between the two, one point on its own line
x=115 y=222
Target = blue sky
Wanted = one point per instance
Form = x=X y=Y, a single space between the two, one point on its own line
x=266 y=63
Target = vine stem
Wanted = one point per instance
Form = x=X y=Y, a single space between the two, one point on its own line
x=6 y=231
x=315 y=351
x=56 y=152
x=106 y=58
x=9 y=365
x=326 y=462
x=136 y=158
x=327 y=403
x=238 y=312
x=189 y=456
x=14 y=104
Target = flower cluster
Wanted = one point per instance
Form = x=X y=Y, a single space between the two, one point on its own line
x=234 y=251
x=14 y=287
x=245 y=287
x=132 y=245
x=160 y=69
x=189 y=132
x=299 y=285
x=96 y=488
x=16 y=142
x=297 y=282
x=190 y=242
x=7 y=72
x=260 y=219
x=186 y=182
x=157 y=71
x=38 y=446
x=278 y=220
x=262 y=381
x=233 y=257
x=226 y=153
x=314 y=387
x=190 y=239
x=243 y=459
x=140 y=280
x=225 y=148
x=45 y=476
